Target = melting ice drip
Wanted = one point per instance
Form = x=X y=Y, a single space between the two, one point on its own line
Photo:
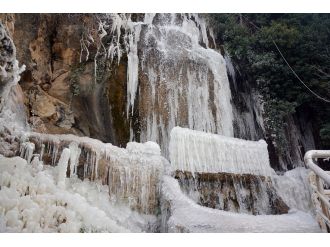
x=132 y=174
x=196 y=151
x=179 y=79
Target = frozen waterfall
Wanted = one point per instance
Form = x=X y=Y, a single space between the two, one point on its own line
x=173 y=77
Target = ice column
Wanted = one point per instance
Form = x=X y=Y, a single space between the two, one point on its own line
x=62 y=167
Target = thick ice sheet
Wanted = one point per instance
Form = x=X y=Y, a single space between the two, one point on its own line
x=187 y=216
x=197 y=151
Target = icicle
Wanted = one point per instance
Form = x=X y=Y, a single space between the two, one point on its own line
x=148 y=18
x=132 y=174
x=26 y=151
x=196 y=151
x=191 y=81
x=62 y=167
x=42 y=151
x=75 y=152
x=132 y=67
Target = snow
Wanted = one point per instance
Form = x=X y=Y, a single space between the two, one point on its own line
x=31 y=201
x=185 y=215
x=196 y=151
x=146 y=148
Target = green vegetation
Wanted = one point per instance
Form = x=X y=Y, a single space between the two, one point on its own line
x=304 y=41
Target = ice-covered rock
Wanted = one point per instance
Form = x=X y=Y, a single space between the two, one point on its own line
x=33 y=201
x=181 y=214
x=133 y=174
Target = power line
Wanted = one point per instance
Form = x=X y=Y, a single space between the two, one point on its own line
x=318 y=96
x=287 y=63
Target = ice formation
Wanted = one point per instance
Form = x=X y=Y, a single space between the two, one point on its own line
x=75 y=152
x=181 y=214
x=196 y=151
x=62 y=167
x=11 y=112
x=27 y=149
x=293 y=186
x=9 y=69
x=191 y=80
x=132 y=67
x=31 y=201
x=171 y=52
x=132 y=174
x=65 y=183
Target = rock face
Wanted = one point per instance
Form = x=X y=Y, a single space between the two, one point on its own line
x=61 y=92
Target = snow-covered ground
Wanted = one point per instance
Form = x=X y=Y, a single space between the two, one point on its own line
x=187 y=216
x=32 y=200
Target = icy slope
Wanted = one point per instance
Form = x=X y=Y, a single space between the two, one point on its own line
x=185 y=215
x=197 y=151
x=31 y=200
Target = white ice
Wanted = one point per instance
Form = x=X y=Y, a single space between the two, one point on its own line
x=203 y=84
x=196 y=151
x=187 y=216
x=293 y=187
x=31 y=201
x=132 y=174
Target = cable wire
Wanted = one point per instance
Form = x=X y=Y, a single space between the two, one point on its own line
x=287 y=63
